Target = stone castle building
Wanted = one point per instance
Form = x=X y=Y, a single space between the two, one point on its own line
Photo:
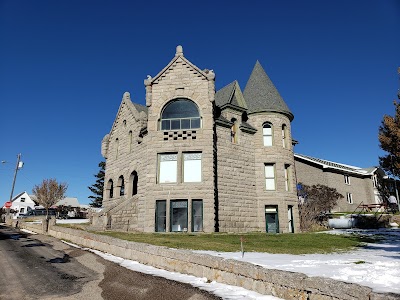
x=197 y=160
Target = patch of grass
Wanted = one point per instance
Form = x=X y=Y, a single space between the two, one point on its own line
x=359 y=262
x=301 y=243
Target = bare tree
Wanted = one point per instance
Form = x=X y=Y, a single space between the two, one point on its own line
x=314 y=204
x=49 y=192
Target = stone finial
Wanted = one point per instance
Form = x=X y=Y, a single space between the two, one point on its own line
x=148 y=80
x=127 y=96
x=179 y=50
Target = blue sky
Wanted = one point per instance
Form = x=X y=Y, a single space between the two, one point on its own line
x=64 y=66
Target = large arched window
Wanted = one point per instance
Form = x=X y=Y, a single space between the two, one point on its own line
x=267 y=134
x=180 y=114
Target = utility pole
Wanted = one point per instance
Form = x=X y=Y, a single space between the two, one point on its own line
x=17 y=167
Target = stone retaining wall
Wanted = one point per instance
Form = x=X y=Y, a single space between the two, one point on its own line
x=283 y=284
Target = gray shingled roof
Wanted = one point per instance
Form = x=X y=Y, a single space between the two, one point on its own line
x=230 y=94
x=330 y=164
x=140 y=107
x=262 y=96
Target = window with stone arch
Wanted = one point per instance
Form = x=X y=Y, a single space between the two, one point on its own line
x=133 y=182
x=285 y=137
x=267 y=134
x=110 y=188
x=121 y=185
x=180 y=114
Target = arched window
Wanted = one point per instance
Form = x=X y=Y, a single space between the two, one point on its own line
x=267 y=134
x=180 y=114
x=110 y=188
x=284 y=136
x=121 y=185
x=134 y=182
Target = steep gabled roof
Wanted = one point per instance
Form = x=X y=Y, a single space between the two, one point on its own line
x=134 y=108
x=178 y=56
x=326 y=164
x=261 y=94
x=230 y=94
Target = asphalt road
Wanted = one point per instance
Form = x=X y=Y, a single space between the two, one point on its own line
x=41 y=267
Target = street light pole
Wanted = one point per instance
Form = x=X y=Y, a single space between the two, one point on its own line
x=17 y=167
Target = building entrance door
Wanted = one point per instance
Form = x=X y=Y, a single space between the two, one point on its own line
x=271 y=219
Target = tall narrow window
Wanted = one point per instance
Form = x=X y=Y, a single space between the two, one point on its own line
x=267 y=134
x=269 y=177
x=347 y=179
x=110 y=188
x=284 y=136
x=290 y=219
x=234 y=134
x=191 y=167
x=375 y=181
x=134 y=183
x=287 y=178
x=179 y=215
x=168 y=166
x=350 y=198
x=121 y=185
x=161 y=215
x=197 y=215
x=116 y=148
x=130 y=141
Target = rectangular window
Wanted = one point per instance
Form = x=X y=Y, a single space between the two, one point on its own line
x=375 y=181
x=287 y=178
x=191 y=167
x=22 y=199
x=22 y=210
x=347 y=179
x=179 y=215
x=350 y=198
x=168 y=166
x=197 y=215
x=269 y=177
x=161 y=215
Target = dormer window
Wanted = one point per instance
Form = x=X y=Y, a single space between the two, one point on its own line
x=180 y=114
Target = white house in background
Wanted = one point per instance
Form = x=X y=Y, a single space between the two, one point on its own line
x=21 y=204
x=68 y=201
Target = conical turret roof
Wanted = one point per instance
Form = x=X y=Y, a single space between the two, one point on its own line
x=261 y=94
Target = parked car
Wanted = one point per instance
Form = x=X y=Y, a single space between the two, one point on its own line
x=38 y=212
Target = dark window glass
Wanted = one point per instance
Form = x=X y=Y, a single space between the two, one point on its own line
x=180 y=114
x=179 y=215
x=161 y=215
x=175 y=124
x=166 y=125
x=195 y=123
x=185 y=124
x=181 y=108
x=197 y=215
